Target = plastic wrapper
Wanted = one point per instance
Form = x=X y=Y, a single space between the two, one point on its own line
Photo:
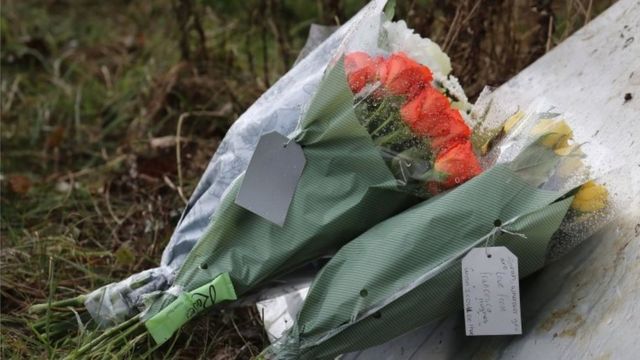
x=595 y=206
x=122 y=299
x=537 y=198
x=414 y=125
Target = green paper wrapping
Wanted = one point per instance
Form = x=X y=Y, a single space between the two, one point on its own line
x=345 y=188
x=405 y=272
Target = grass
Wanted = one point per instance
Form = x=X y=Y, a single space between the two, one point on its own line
x=91 y=96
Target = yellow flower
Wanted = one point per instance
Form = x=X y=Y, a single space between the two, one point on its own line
x=496 y=135
x=512 y=121
x=591 y=197
x=557 y=135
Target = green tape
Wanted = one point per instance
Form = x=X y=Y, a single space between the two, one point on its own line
x=165 y=323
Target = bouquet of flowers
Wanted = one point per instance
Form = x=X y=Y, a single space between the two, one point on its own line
x=346 y=187
x=537 y=198
x=380 y=133
x=423 y=139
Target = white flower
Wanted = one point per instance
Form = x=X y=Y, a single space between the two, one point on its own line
x=452 y=84
x=422 y=50
x=402 y=39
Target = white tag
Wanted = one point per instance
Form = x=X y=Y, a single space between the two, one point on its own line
x=491 y=290
x=271 y=178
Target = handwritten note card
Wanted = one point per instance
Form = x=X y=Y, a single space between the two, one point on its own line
x=491 y=292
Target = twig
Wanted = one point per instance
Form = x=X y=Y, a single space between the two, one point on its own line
x=569 y=21
x=178 y=156
x=549 y=33
x=182 y=12
x=169 y=183
x=76 y=113
x=456 y=28
x=587 y=16
x=242 y=337
x=580 y=7
x=475 y=8
x=107 y=78
x=181 y=119
x=454 y=23
x=109 y=208
x=282 y=43
x=265 y=49
x=49 y=302
x=12 y=93
x=197 y=26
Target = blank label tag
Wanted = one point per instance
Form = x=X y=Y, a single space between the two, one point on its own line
x=491 y=291
x=271 y=178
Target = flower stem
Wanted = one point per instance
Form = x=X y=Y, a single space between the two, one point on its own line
x=392 y=138
x=383 y=125
x=369 y=118
x=76 y=301
x=106 y=336
x=131 y=345
x=123 y=336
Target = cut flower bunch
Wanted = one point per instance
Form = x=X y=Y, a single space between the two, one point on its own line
x=423 y=138
x=406 y=271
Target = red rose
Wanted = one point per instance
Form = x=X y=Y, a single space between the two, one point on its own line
x=430 y=114
x=452 y=130
x=458 y=164
x=361 y=69
x=423 y=114
x=403 y=76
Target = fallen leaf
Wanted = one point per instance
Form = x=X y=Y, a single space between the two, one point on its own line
x=19 y=184
x=55 y=138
